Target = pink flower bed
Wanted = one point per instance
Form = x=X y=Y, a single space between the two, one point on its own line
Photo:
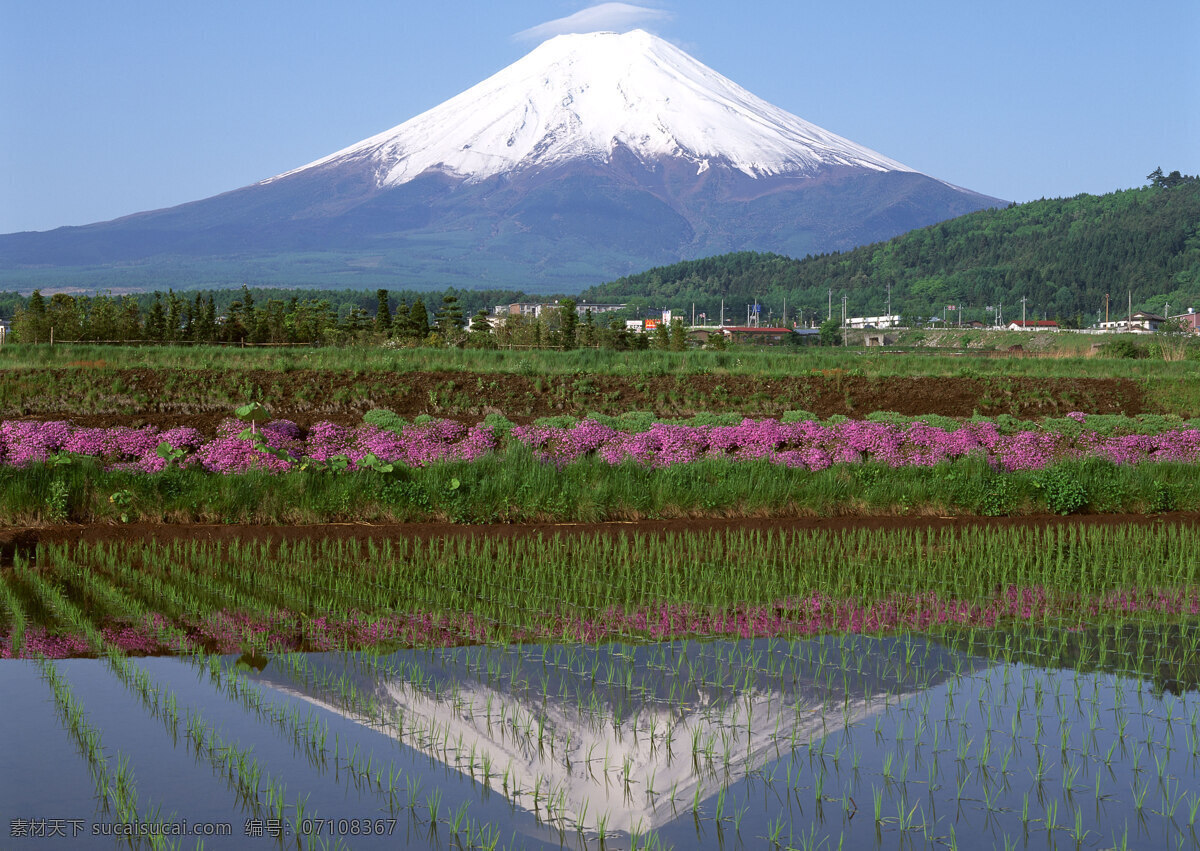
x=280 y=445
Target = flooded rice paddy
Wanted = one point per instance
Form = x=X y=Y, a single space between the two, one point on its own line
x=1037 y=737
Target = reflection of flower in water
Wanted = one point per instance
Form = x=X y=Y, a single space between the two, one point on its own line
x=816 y=614
x=128 y=638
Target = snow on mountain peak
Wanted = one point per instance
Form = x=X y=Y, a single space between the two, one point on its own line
x=584 y=95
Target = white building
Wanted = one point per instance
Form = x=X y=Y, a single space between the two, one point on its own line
x=1140 y=323
x=888 y=320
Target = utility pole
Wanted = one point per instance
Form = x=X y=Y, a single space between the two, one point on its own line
x=889 y=307
x=1129 y=319
x=830 y=316
x=1023 y=300
x=785 y=311
x=1106 y=308
x=722 y=313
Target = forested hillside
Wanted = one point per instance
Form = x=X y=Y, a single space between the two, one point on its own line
x=1063 y=255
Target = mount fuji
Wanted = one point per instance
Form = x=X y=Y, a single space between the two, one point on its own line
x=593 y=156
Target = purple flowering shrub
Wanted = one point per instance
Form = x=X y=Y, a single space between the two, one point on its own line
x=815 y=446
x=280 y=445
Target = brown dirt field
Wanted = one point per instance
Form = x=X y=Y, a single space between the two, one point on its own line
x=24 y=540
x=202 y=398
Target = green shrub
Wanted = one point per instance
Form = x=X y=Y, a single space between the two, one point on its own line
x=383 y=418
x=1064 y=493
x=889 y=417
x=1063 y=425
x=561 y=421
x=1162 y=498
x=1123 y=349
x=57 y=502
x=711 y=419
x=502 y=425
x=998 y=497
x=938 y=421
x=635 y=421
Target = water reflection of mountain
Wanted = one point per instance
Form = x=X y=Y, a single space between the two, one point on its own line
x=610 y=735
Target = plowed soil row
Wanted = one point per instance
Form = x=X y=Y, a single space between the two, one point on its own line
x=202 y=398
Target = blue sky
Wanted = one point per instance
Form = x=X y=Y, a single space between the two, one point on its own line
x=112 y=108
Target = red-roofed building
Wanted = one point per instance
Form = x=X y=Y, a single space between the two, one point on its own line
x=1033 y=325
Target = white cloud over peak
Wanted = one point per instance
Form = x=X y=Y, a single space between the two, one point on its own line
x=604 y=16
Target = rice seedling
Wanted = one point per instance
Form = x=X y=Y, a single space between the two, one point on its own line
x=572 y=653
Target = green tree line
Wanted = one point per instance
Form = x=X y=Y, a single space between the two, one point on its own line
x=255 y=316
x=247 y=319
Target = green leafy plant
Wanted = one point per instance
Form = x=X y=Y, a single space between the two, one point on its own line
x=123 y=500
x=1162 y=498
x=372 y=462
x=338 y=464
x=172 y=454
x=1064 y=492
x=60 y=459
x=57 y=506
x=998 y=497
x=254 y=413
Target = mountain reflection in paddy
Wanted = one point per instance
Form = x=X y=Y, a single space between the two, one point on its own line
x=625 y=736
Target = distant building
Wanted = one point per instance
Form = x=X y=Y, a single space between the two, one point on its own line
x=759 y=336
x=1190 y=320
x=1140 y=323
x=583 y=307
x=888 y=320
x=536 y=308
x=521 y=308
x=1032 y=325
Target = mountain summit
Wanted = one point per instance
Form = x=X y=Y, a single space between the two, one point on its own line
x=595 y=155
x=584 y=96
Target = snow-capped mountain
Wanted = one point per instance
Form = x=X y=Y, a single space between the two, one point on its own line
x=583 y=96
x=593 y=156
